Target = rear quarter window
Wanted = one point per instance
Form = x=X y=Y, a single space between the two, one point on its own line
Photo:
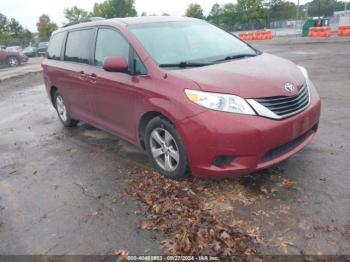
x=78 y=46
x=55 y=46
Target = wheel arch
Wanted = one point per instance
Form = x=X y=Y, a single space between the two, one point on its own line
x=53 y=90
x=7 y=57
x=144 y=120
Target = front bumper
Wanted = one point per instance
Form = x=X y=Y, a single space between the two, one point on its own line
x=255 y=142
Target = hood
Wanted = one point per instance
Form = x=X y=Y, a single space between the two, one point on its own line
x=264 y=75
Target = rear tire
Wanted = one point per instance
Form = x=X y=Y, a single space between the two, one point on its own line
x=166 y=150
x=62 y=112
x=12 y=61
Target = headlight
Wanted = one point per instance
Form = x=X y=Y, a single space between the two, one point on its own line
x=220 y=102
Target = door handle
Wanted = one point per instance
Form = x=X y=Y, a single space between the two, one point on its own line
x=92 y=78
x=82 y=75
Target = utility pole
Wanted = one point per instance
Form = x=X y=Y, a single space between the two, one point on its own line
x=298 y=6
x=319 y=8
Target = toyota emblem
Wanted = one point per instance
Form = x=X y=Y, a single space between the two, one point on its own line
x=289 y=87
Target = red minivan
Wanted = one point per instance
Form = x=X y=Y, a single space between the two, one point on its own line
x=196 y=98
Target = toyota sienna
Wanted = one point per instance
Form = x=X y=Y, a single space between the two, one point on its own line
x=197 y=99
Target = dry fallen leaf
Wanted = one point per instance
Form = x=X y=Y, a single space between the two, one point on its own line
x=288 y=184
x=329 y=228
x=121 y=254
x=114 y=200
x=94 y=213
x=175 y=209
x=101 y=195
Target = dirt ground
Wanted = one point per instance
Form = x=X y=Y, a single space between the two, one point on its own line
x=61 y=190
x=33 y=65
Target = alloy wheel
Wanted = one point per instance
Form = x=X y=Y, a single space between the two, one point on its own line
x=61 y=108
x=13 y=61
x=164 y=149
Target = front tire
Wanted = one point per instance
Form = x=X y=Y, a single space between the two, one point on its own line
x=166 y=150
x=12 y=61
x=62 y=112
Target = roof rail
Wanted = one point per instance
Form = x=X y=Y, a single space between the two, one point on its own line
x=84 y=20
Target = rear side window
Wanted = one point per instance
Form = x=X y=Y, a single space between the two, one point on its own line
x=110 y=43
x=54 y=50
x=78 y=46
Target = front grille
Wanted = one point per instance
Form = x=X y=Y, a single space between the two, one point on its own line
x=274 y=152
x=284 y=106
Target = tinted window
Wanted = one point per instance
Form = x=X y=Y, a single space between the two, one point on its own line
x=110 y=43
x=78 y=46
x=54 y=50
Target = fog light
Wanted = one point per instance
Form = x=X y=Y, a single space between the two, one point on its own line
x=222 y=160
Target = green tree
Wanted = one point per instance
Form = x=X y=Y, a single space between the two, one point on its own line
x=194 y=10
x=282 y=10
x=251 y=12
x=323 y=7
x=14 y=27
x=115 y=8
x=74 y=14
x=4 y=38
x=13 y=33
x=25 y=37
x=228 y=15
x=215 y=13
x=45 y=27
x=340 y=6
x=3 y=23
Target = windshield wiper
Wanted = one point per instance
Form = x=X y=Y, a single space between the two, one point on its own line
x=185 y=64
x=232 y=57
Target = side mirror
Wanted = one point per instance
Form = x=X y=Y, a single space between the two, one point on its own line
x=115 y=64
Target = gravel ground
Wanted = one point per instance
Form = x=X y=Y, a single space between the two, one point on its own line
x=61 y=190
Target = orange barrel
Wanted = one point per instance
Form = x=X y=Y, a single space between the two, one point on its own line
x=343 y=30
x=312 y=32
x=241 y=35
x=250 y=36
x=269 y=34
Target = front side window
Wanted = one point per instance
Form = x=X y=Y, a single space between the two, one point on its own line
x=140 y=69
x=175 y=42
x=78 y=46
x=54 y=50
x=110 y=43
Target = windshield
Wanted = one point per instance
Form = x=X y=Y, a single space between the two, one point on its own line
x=177 y=42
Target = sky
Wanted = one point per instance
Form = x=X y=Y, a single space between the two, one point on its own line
x=27 y=12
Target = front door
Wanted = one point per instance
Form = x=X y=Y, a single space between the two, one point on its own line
x=113 y=92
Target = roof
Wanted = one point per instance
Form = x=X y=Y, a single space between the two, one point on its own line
x=127 y=21
x=150 y=19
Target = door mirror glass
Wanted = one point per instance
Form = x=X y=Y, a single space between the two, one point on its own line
x=115 y=64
